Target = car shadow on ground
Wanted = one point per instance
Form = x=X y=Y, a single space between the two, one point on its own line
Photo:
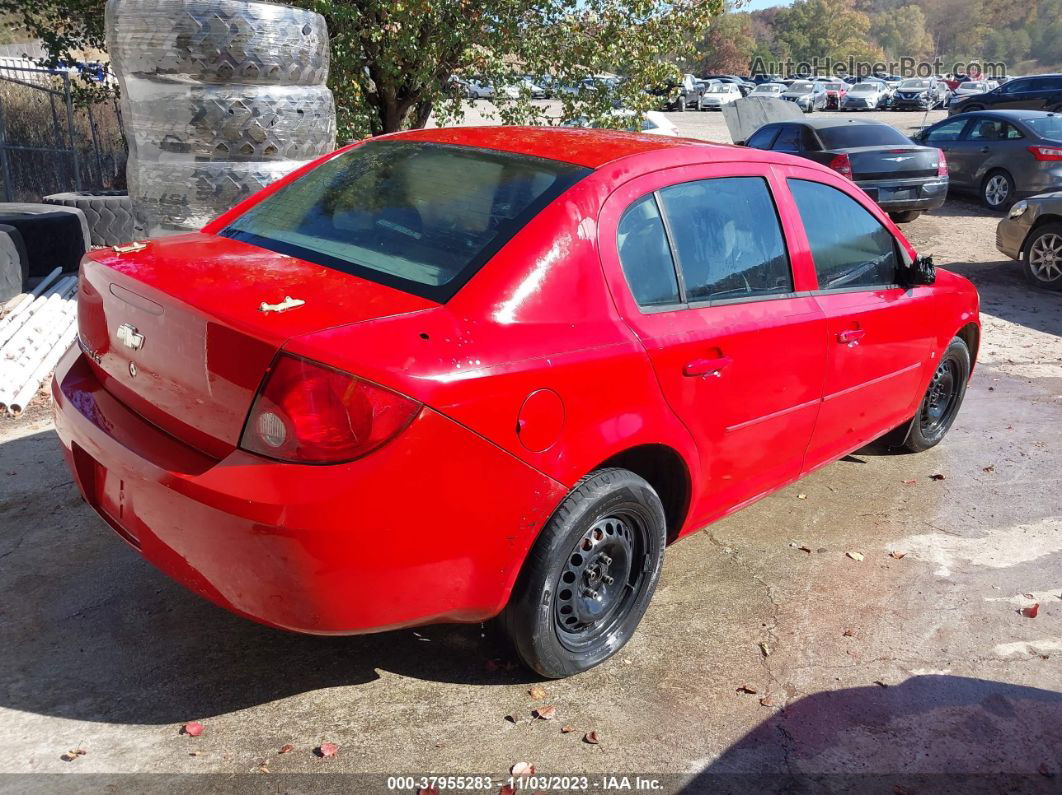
x=91 y=631
x=932 y=733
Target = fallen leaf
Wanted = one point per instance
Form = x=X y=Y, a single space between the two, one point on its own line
x=802 y=496
x=747 y=689
x=192 y=728
x=765 y=649
x=849 y=633
x=522 y=769
x=263 y=769
x=325 y=750
x=566 y=729
x=854 y=555
x=537 y=693
x=591 y=737
x=73 y=754
x=1028 y=596
x=545 y=713
x=287 y=748
x=1031 y=611
x=989 y=468
x=936 y=476
x=909 y=482
x=1045 y=771
x=512 y=718
x=767 y=701
x=879 y=683
x=898 y=555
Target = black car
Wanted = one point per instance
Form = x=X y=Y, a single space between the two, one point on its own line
x=920 y=93
x=1039 y=92
x=903 y=178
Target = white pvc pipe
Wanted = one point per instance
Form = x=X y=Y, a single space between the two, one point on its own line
x=18 y=404
x=17 y=322
x=20 y=302
x=33 y=341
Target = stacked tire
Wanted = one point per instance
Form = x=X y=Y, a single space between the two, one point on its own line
x=109 y=214
x=219 y=98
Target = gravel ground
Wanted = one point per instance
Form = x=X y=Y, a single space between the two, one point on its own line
x=911 y=668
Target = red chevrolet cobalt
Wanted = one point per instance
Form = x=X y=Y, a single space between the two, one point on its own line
x=448 y=375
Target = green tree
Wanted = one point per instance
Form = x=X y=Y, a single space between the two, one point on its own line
x=826 y=28
x=902 y=32
x=393 y=60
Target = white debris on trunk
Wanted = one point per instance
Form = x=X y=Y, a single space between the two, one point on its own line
x=36 y=329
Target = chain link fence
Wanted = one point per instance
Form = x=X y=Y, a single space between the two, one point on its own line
x=49 y=144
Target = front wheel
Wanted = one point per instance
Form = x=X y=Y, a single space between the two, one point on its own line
x=905 y=216
x=590 y=575
x=1043 y=257
x=942 y=400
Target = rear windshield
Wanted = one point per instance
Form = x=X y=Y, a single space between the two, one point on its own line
x=852 y=135
x=864 y=88
x=1049 y=127
x=422 y=217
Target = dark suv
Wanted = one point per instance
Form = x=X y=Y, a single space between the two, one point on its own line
x=1039 y=92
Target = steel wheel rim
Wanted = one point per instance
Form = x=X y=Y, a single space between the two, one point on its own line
x=997 y=190
x=1045 y=257
x=942 y=397
x=599 y=581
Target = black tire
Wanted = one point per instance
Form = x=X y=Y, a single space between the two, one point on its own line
x=571 y=610
x=997 y=190
x=905 y=216
x=110 y=216
x=681 y=105
x=14 y=249
x=942 y=400
x=1042 y=257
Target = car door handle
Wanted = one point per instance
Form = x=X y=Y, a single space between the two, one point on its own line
x=699 y=367
x=848 y=336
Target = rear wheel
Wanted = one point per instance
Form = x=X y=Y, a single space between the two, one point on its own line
x=905 y=216
x=1043 y=257
x=590 y=575
x=942 y=400
x=997 y=190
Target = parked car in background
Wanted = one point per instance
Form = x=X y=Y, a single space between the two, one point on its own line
x=717 y=95
x=1038 y=92
x=1032 y=234
x=652 y=122
x=680 y=96
x=904 y=180
x=870 y=95
x=477 y=88
x=761 y=79
x=973 y=87
x=1001 y=155
x=835 y=92
x=745 y=86
x=387 y=409
x=768 y=91
x=922 y=93
x=808 y=95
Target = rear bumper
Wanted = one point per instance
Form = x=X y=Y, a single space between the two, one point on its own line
x=898 y=195
x=434 y=526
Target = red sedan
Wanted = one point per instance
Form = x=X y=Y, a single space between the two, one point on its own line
x=449 y=374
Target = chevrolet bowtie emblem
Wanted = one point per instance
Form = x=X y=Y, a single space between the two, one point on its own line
x=130 y=337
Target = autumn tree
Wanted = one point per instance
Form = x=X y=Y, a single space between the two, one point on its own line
x=902 y=32
x=726 y=47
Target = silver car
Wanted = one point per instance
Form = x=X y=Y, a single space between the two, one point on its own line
x=1032 y=233
x=869 y=95
x=809 y=96
x=1001 y=155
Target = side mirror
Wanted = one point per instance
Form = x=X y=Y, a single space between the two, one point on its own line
x=921 y=271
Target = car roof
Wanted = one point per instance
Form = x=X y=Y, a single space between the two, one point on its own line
x=1014 y=114
x=587 y=147
x=826 y=123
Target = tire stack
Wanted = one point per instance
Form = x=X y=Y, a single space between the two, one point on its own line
x=109 y=214
x=219 y=98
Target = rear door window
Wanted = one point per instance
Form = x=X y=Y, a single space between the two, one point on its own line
x=646 y=256
x=727 y=238
x=422 y=217
x=790 y=139
x=851 y=249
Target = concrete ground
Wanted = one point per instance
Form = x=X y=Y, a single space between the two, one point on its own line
x=901 y=672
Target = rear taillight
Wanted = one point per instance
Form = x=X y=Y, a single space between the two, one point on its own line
x=1046 y=152
x=309 y=413
x=942 y=164
x=842 y=165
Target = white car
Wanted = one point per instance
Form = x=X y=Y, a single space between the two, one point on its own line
x=971 y=87
x=652 y=123
x=768 y=90
x=717 y=95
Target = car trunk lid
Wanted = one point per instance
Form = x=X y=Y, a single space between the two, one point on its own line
x=899 y=162
x=178 y=331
